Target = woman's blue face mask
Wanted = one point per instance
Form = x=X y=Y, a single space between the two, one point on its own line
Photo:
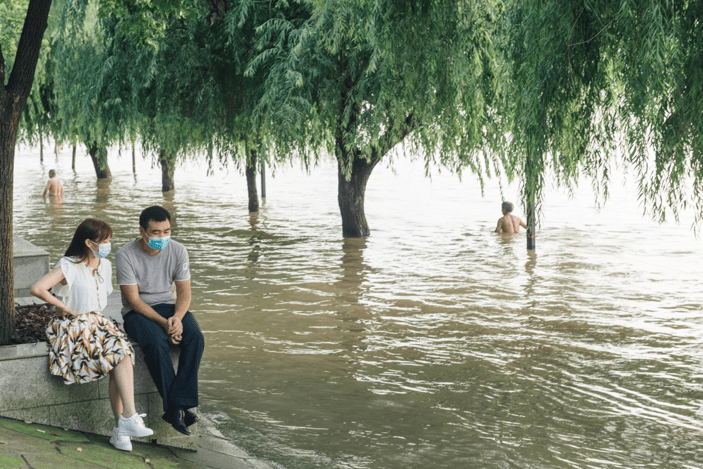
x=103 y=249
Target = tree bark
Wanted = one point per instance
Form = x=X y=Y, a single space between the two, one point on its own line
x=251 y=182
x=98 y=155
x=531 y=231
x=8 y=135
x=350 y=196
x=532 y=175
x=13 y=98
x=352 y=191
x=168 y=169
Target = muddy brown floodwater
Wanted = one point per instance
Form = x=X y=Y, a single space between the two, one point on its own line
x=434 y=343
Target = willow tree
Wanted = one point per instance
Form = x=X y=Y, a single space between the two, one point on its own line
x=199 y=102
x=357 y=78
x=594 y=80
x=85 y=84
x=184 y=95
x=658 y=74
x=36 y=122
x=14 y=91
x=233 y=27
x=107 y=53
x=179 y=102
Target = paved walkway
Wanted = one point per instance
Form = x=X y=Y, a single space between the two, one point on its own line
x=34 y=446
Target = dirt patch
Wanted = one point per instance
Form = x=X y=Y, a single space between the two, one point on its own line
x=30 y=323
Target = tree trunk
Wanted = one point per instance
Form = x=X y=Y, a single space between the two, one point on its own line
x=134 y=161
x=99 y=156
x=531 y=231
x=251 y=182
x=350 y=195
x=41 y=146
x=73 y=159
x=263 y=182
x=168 y=168
x=13 y=98
x=8 y=134
x=533 y=164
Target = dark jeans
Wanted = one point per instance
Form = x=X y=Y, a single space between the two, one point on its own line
x=177 y=389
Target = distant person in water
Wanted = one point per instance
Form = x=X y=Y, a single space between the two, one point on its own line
x=54 y=187
x=509 y=224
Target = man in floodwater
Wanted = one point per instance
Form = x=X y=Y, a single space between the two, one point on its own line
x=146 y=269
x=509 y=224
x=54 y=186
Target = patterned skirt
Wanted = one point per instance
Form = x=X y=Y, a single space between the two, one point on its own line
x=85 y=348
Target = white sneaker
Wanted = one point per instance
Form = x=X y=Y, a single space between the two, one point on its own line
x=133 y=426
x=119 y=441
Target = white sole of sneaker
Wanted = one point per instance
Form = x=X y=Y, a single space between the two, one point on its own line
x=138 y=434
x=121 y=446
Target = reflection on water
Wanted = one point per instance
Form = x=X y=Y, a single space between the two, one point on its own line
x=434 y=343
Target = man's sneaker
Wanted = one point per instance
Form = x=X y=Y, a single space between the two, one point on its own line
x=119 y=441
x=134 y=427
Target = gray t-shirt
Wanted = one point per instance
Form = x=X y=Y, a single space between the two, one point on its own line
x=154 y=275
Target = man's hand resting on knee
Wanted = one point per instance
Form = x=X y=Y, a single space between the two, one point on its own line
x=175 y=329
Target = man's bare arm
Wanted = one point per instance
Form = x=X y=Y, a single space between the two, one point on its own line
x=499 y=227
x=175 y=322
x=131 y=295
x=46 y=189
x=182 y=298
x=522 y=223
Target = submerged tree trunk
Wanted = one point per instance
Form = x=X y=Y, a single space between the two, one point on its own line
x=531 y=224
x=532 y=180
x=13 y=98
x=350 y=196
x=168 y=169
x=351 y=190
x=251 y=182
x=73 y=158
x=99 y=156
x=134 y=160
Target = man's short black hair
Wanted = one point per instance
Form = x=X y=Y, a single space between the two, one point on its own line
x=153 y=213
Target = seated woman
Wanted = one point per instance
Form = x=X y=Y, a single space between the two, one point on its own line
x=84 y=345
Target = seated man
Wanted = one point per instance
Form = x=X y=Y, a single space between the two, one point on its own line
x=146 y=269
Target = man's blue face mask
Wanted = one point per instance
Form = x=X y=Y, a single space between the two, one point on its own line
x=159 y=243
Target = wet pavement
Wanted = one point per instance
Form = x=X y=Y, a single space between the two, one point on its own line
x=35 y=446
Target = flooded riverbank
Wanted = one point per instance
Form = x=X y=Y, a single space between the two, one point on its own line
x=434 y=342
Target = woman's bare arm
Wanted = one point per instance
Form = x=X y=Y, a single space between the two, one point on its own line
x=41 y=290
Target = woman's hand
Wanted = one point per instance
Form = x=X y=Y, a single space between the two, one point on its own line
x=65 y=312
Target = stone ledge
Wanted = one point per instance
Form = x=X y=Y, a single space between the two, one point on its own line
x=30 y=392
x=17 y=352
